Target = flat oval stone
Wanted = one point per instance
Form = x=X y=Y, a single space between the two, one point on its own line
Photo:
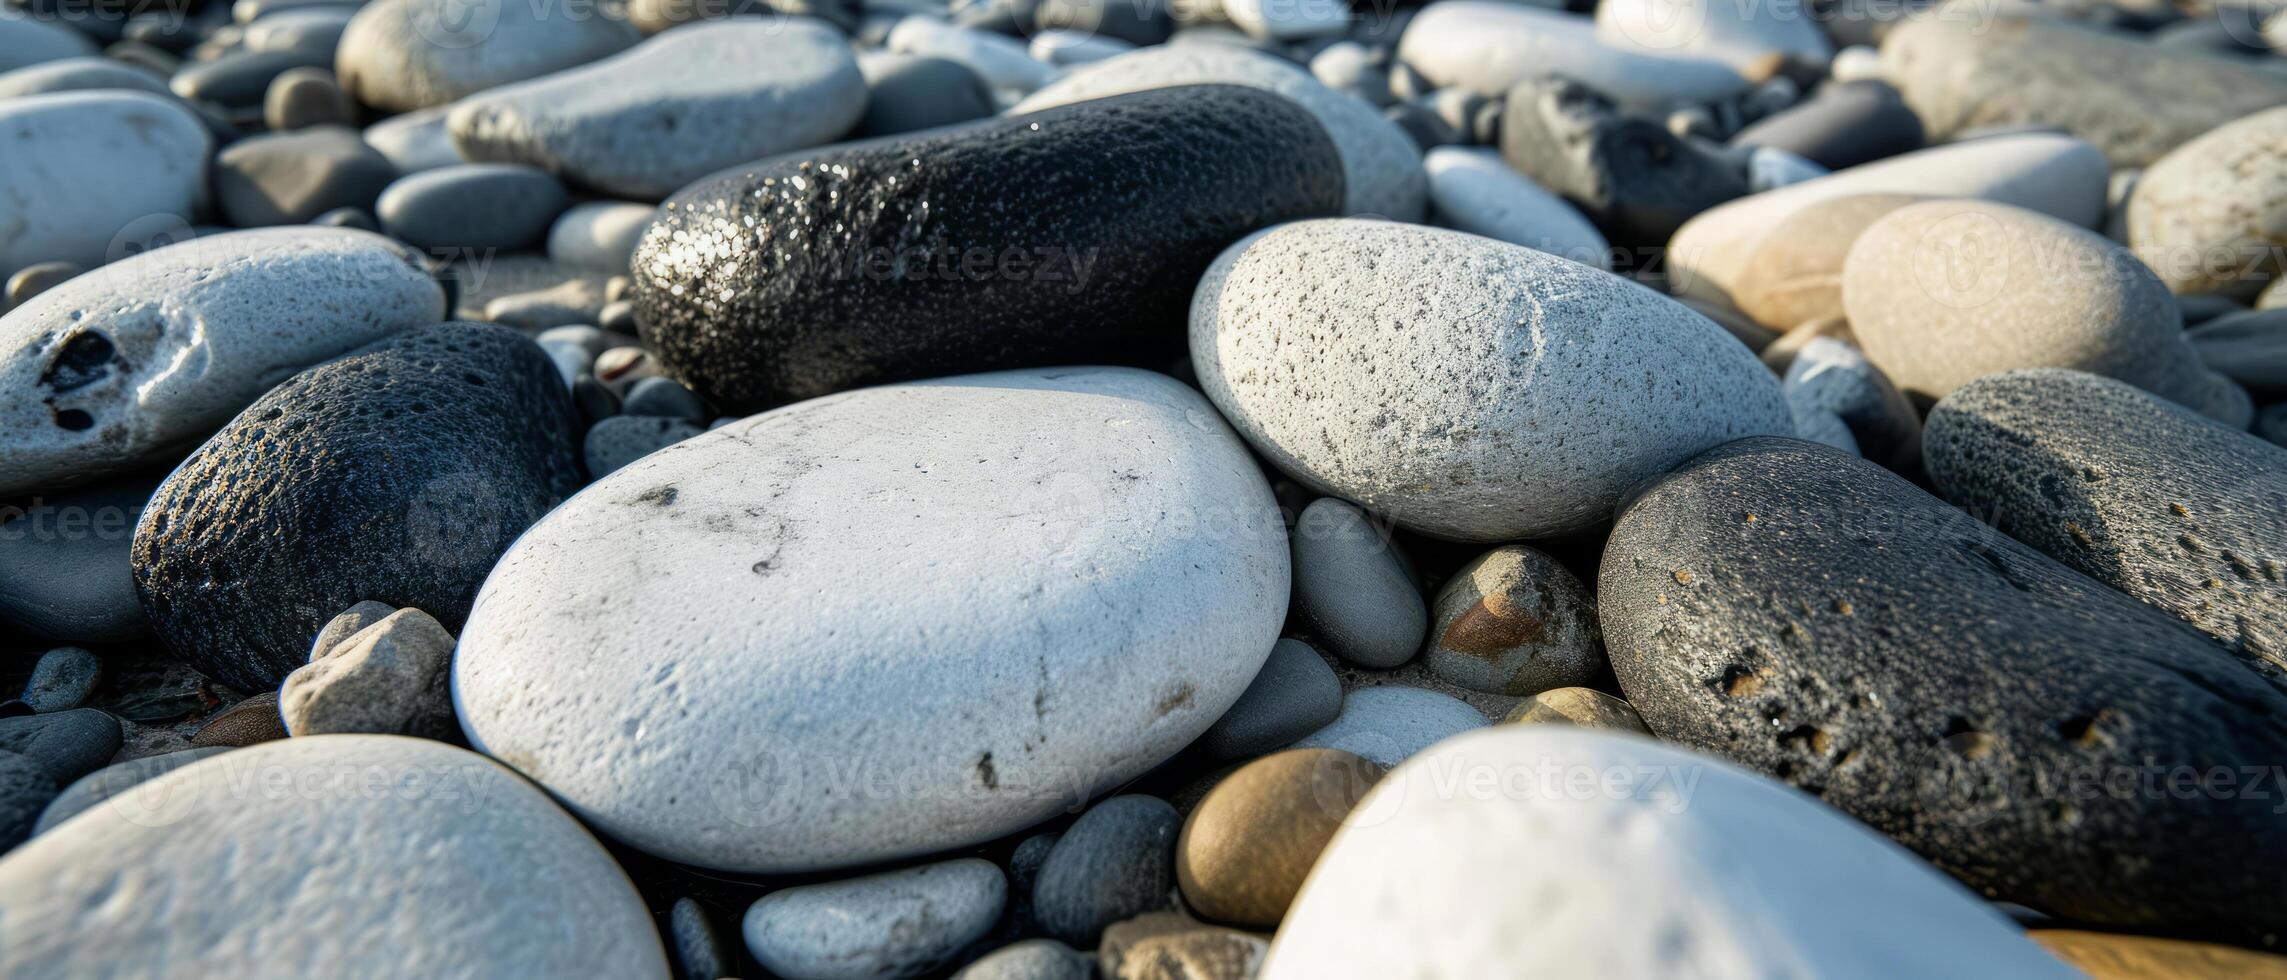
x=1388 y=724
x=891 y=924
x=1116 y=862
x=240 y=79
x=645 y=122
x=400 y=55
x=973 y=247
x=79 y=74
x=1746 y=37
x=2208 y=216
x=1381 y=166
x=395 y=474
x=2135 y=492
x=1475 y=191
x=416 y=140
x=832 y=590
x=476 y=207
x=481 y=873
x=1810 y=615
x=1245 y=850
x=599 y=236
x=1488 y=46
x=133 y=154
x=1294 y=694
x=1943 y=292
x=122 y=367
x=1685 y=866
x=1842 y=126
x=1352 y=591
x=1434 y=395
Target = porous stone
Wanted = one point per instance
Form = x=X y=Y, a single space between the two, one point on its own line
x=141 y=154
x=1582 y=706
x=289 y=178
x=1387 y=724
x=63 y=573
x=1245 y=850
x=1117 y=861
x=2209 y=215
x=1474 y=191
x=1293 y=695
x=400 y=55
x=1513 y=621
x=62 y=679
x=901 y=923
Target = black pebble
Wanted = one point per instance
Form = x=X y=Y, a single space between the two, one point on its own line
x=1636 y=180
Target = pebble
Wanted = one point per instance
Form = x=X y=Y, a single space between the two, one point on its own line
x=1288 y=20
x=1174 y=946
x=1513 y=621
x=401 y=55
x=1030 y=959
x=615 y=442
x=289 y=178
x=910 y=92
x=28 y=41
x=569 y=303
x=1388 y=724
x=1832 y=375
x=695 y=941
x=1474 y=191
x=249 y=722
x=309 y=28
x=62 y=679
x=240 y=79
x=1856 y=63
x=64 y=571
x=1634 y=179
x=1063 y=48
x=2207 y=217
x=1814 y=423
x=1352 y=590
x=643 y=123
x=147 y=153
x=1135 y=24
x=118 y=369
x=1116 y=862
x=1354 y=70
x=2111 y=956
x=2135 y=492
x=116 y=785
x=490 y=880
x=1002 y=62
x=78 y=74
x=32 y=280
x=1582 y=706
x=1489 y=46
x=1379 y=388
x=300 y=98
x=349 y=623
x=1745 y=36
x=25 y=790
x=1864 y=641
x=664 y=397
x=478 y=431
x=2133 y=100
x=391 y=678
x=903 y=923
x=64 y=744
x=473 y=207
x=1014 y=256
x=1293 y=695
x=1685 y=865
x=2249 y=348
x=1794 y=274
x=415 y=141
x=1943 y=292
x=1245 y=850
x=1844 y=125
x=1770 y=169
x=599 y=235
x=744 y=531
x=2200 y=308
x=1381 y=165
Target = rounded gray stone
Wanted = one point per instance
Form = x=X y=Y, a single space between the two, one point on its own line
x=391 y=678
x=1030 y=959
x=599 y=235
x=62 y=679
x=1294 y=694
x=1513 y=621
x=25 y=790
x=1474 y=190
x=28 y=41
x=289 y=178
x=622 y=439
x=1116 y=862
x=118 y=782
x=2248 y=347
x=697 y=941
x=572 y=302
x=1387 y=724
x=349 y=623
x=1351 y=587
x=911 y=92
x=79 y=74
x=67 y=744
x=901 y=923
x=399 y=55
x=303 y=97
x=1833 y=376
x=309 y=28
x=416 y=140
x=473 y=207
x=64 y=571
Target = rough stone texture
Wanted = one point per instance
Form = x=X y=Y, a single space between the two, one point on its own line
x=290 y=178
x=1943 y=292
x=1672 y=864
x=2134 y=100
x=1174 y=946
x=63 y=573
x=125 y=366
x=249 y=722
x=401 y=55
x=970 y=248
x=140 y=154
x=643 y=123
x=1815 y=617
x=1513 y=621
x=25 y=789
x=1352 y=592
x=1387 y=724
x=1636 y=180
x=1246 y=848
x=910 y=92
x=1844 y=125
x=1293 y=695
x=62 y=679
x=842 y=584
x=391 y=678
x=1466 y=388
x=2132 y=491
x=892 y=924
x=114 y=787
x=1795 y=273
x=696 y=942
x=1475 y=191
x=454 y=867
x=2211 y=214
x=1381 y=166
x=396 y=474
x=1582 y=706
x=2111 y=956
x=1488 y=46
x=1116 y=862
x=1833 y=376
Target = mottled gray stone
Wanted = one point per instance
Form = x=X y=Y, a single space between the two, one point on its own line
x=1352 y=591
x=62 y=679
x=623 y=439
x=289 y=178
x=1835 y=377
x=1116 y=861
x=1513 y=621
x=890 y=924
x=391 y=678
x=399 y=55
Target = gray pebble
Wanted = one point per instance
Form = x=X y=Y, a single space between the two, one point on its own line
x=696 y=942
x=599 y=235
x=415 y=141
x=113 y=781
x=1351 y=588
x=62 y=679
x=358 y=218
x=1294 y=694
x=666 y=398
x=595 y=400
x=241 y=79
x=290 y=178
x=348 y=623
x=25 y=790
x=1832 y=375
x=473 y=206
x=303 y=97
x=1032 y=959
x=1116 y=862
x=623 y=439
x=2271 y=424
x=574 y=301
x=892 y=924
x=391 y=678
x=64 y=569
x=1388 y=724
x=2248 y=347
x=912 y=92
x=67 y=744
x=79 y=74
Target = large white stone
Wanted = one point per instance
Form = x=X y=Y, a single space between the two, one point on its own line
x=118 y=367
x=1467 y=388
x=400 y=55
x=675 y=108
x=333 y=856
x=2054 y=174
x=1531 y=850
x=1381 y=164
x=1741 y=33
x=882 y=623
x=78 y=169
x=1489 y=45
x=1475 y=191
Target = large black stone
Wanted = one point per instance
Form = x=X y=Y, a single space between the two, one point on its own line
x=398 y=473
x=1070 y=235
x=2031 y=731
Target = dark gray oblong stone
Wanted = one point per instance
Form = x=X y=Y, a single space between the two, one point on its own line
x=398 y=474
x=291 y=178
x=2027 y=729
x=1116 y=862
x=1637 y=181
x=2132 y=490
x=1844 y=125
x=1074 y=234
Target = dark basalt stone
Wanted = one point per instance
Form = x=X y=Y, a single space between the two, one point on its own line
x=1071 y=235
x=1634 y=179
x=2027 y=729
x=398 y=474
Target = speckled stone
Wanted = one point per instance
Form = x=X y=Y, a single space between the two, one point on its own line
x=62 y=679
x=1247 y=847
x=1812 y=616
x=491 y=877
x=284 y=518
x=1381 y=166
x=1795 y=273
x=1582 y=706
x=2208 y=216
x=900 y=923
x=125 y=366
x=643 y=123
x=115 y=786
x=615 y=442
x=136 y=154
x=1844 y=125
x=1659 y=863
x=1513 y=621
x=1388 y=724
x=1293 y=695
x=1116 y=862
x=1352 y=591
x=696 y=942
x=1488 y=46
x=65 y=744
x=728 y=552
x=393 y=677
x=1943 y=292
x=1475 y=191
x=2135 y=492
x=966 y=249
x=400 y=55
x=1634 y=179
x=1485 y=392
x=249 y=722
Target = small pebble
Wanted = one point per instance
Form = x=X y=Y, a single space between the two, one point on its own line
x=62 y=679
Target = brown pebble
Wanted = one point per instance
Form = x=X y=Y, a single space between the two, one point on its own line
x=248 y=722
x=1245 y=850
